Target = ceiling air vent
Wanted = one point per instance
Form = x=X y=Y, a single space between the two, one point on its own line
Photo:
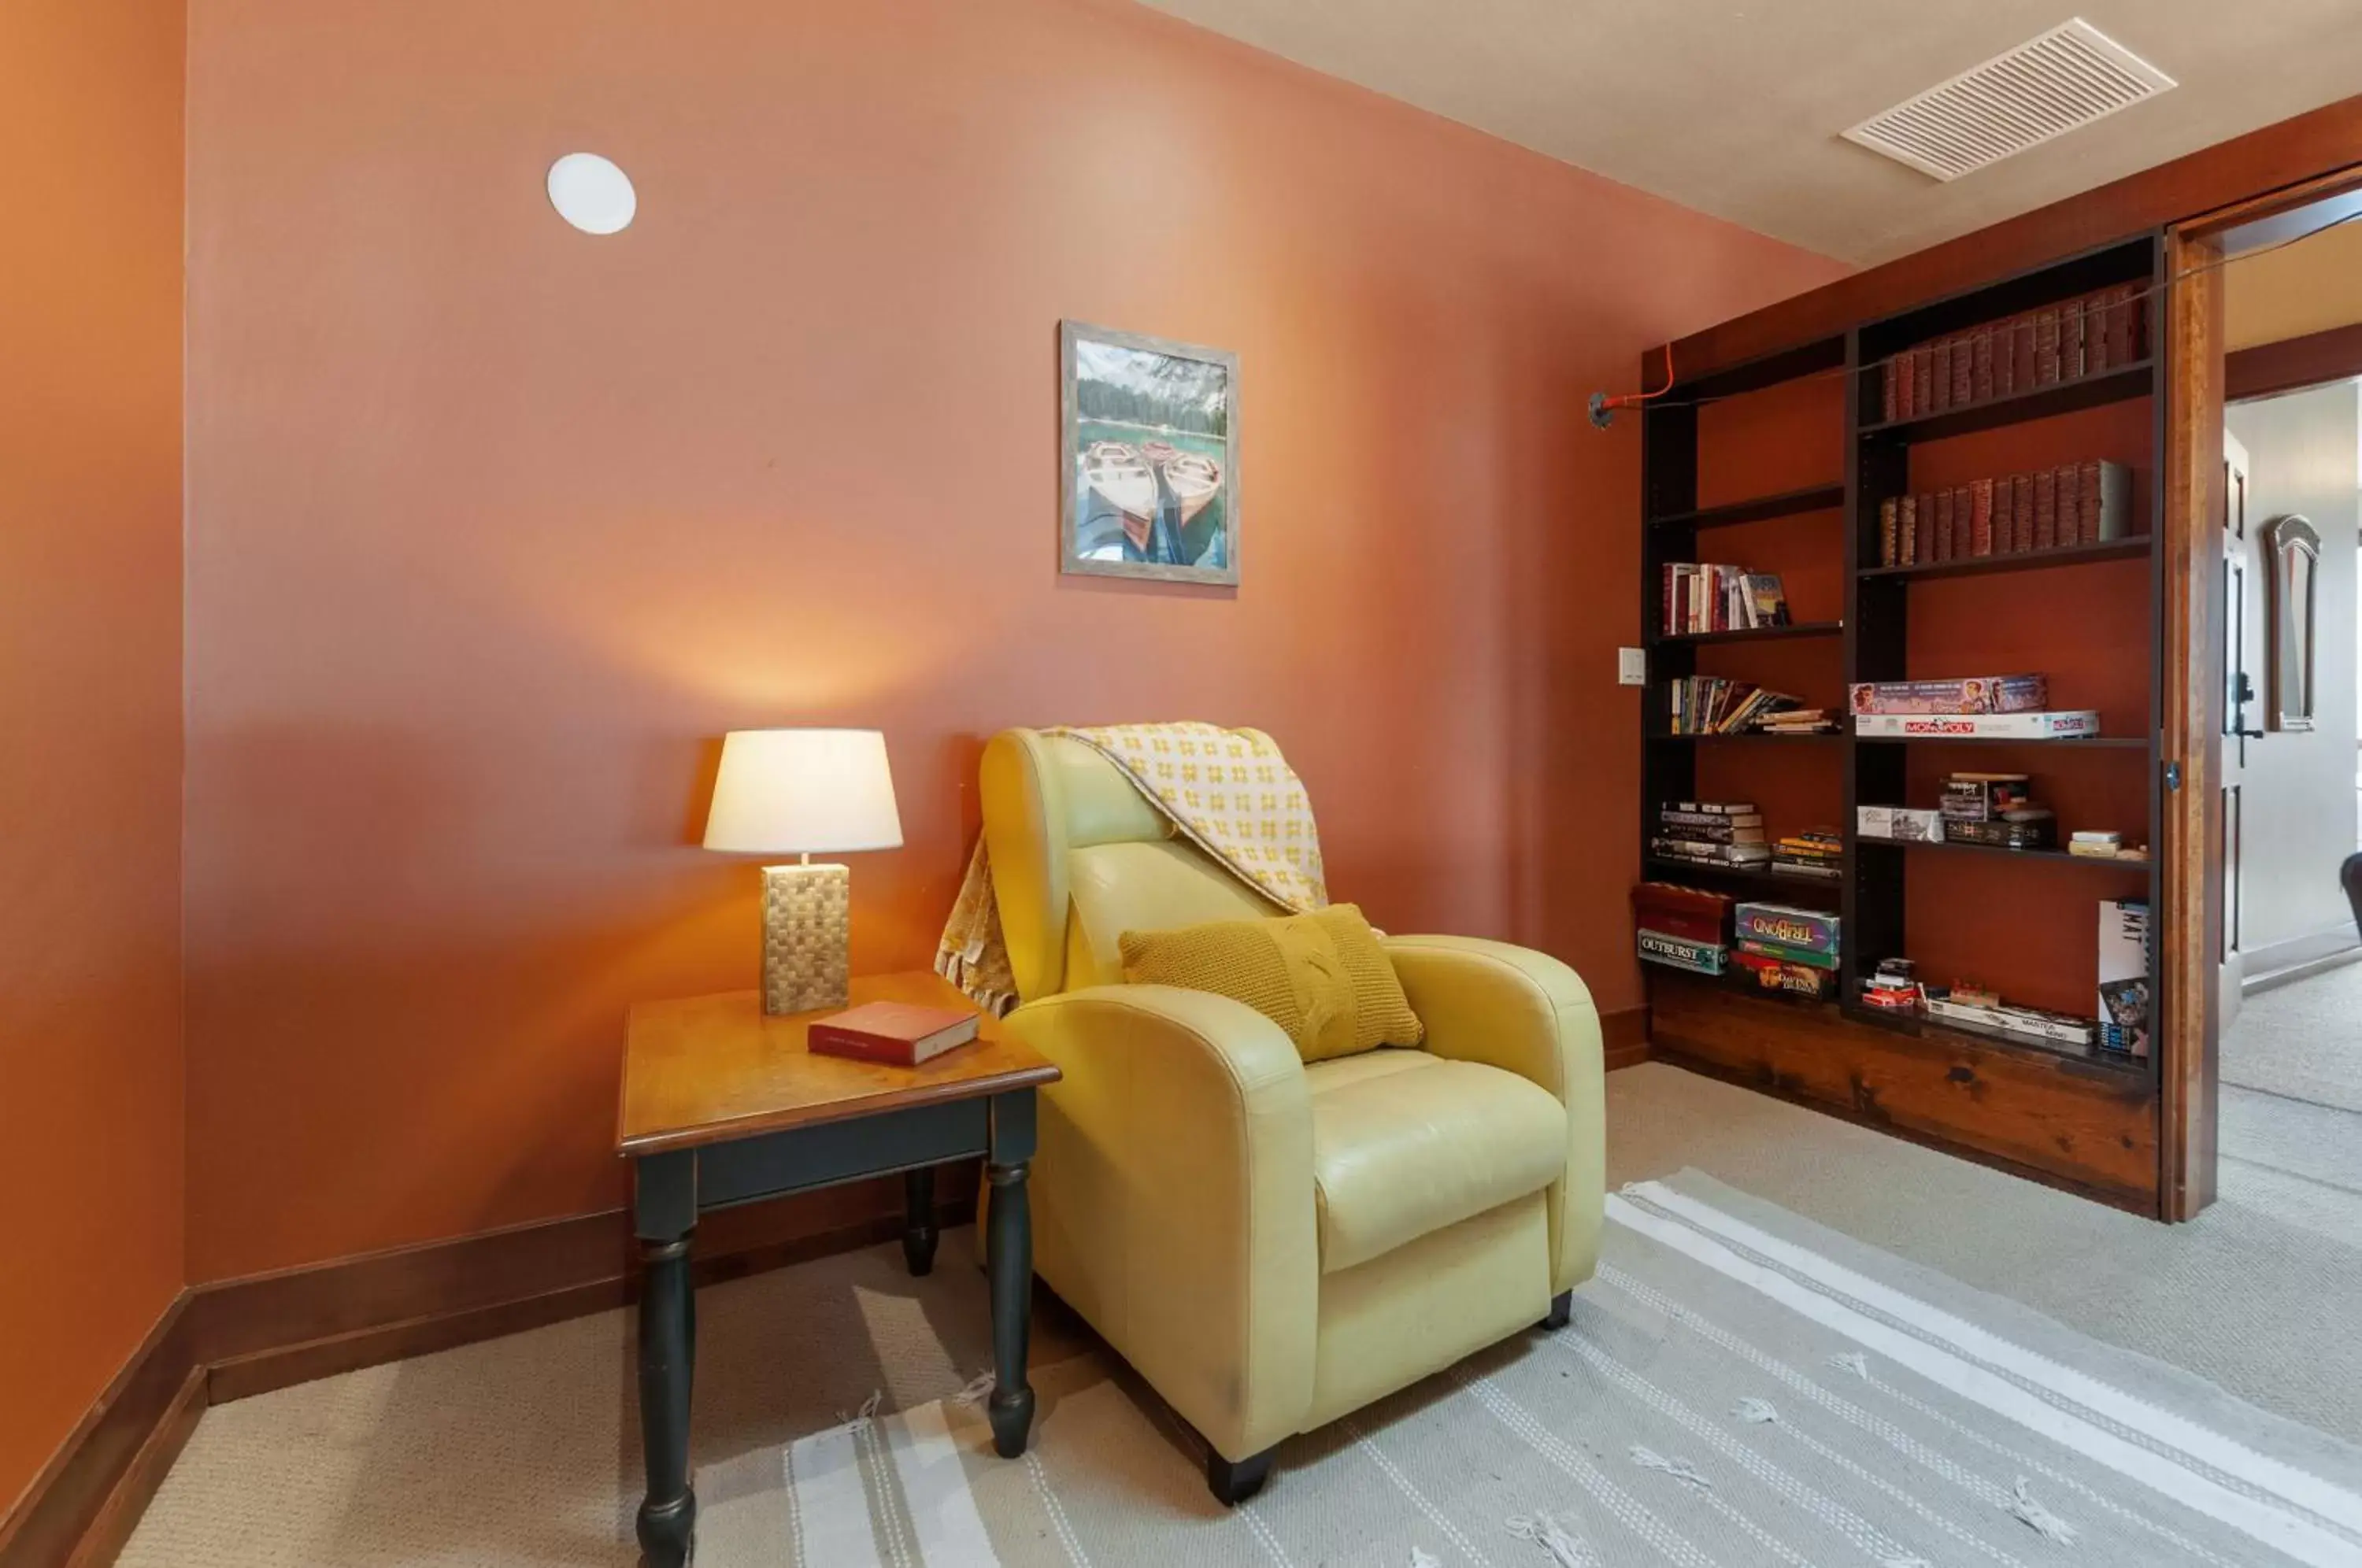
x=2069 y=77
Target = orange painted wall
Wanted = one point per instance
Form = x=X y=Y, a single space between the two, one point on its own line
x=90 y=703
x=495 y=526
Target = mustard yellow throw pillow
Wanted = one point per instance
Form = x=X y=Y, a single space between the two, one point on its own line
x=1322 y=977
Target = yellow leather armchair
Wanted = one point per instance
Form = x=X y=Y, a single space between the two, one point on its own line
x=1274 y=1245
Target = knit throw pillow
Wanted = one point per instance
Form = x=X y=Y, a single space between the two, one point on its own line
x=1322 y=977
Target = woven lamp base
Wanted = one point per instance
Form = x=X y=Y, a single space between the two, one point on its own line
x=806 y=918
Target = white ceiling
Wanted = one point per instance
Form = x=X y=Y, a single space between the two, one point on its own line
x=1736 y=108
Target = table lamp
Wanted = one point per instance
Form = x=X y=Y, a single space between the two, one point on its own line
x=794 y=793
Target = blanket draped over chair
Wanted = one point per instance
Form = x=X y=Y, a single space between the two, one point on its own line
x=1229 y=792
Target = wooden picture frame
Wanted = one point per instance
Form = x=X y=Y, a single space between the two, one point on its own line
x=1149 y=453
x=2295 y=554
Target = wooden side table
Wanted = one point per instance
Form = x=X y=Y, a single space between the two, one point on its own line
x=722 y=1106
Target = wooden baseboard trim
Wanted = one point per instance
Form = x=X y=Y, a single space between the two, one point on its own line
x=236 y=1338
x=1624 y=1037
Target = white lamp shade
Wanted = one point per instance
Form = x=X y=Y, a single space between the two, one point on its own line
x=803 y=793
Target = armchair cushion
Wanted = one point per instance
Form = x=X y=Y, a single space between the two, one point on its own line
x=1405 y=1143
x=1322 y=977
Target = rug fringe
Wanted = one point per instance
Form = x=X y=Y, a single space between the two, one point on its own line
x=1854 y=1361
x=2022 y=1506
x=978 y=1387
x=1565 y=1550
x=1759 y=1412
x=1678 y=1469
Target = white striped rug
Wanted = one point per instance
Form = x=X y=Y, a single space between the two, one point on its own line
x=1738 y=1388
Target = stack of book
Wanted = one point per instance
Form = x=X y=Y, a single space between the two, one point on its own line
x=1701 y=596
x=1710 y=705
x=1816 y=853
x=1710 y=832
x=1997 y=809
x=1990 y=707
x=2089 y=335
x=1798 y=722
x=1681 y=928
x=2087 y=503
x=1789 y=950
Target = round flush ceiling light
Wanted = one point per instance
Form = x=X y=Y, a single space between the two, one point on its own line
x=591 y=193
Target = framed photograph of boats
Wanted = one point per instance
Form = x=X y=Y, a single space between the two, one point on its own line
x=1151 y=450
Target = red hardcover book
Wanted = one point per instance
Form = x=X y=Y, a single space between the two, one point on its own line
x=1963 y=519
x=1943 y=525
x=2021 y=352
x=1981 y=517
x=2070 y=504
x=2132 y=340
x=2004 y=516
x=2071 y=359
x=1939 y=375
x=1964 y=371
x=1906 y=531
x=1886 y=510
x=1981 y=362
x=2099 y=345
x=2046 y=509
x=1922 y=378
x=1906 y=394
x=2021 y=498
x=901 y=1034
x=2046 y=346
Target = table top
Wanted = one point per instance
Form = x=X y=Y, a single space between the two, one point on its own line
x=708 y=1069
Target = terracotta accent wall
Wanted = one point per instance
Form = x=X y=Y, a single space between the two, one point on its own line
x=495 y=526
x=90 y=703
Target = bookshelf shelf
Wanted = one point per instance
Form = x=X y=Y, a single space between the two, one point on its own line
x=1758 y=736
x=2085 y=743
x=2133 y=548
x=1757 y=509
x=2054 y=856
x=1659 y=867
x=2068 y=1057
x=1752 y=634
x=2060 y=397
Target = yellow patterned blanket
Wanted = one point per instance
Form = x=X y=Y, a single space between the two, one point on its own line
x=1229 y=792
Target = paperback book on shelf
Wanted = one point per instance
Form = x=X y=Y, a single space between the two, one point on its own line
x=1709 y=704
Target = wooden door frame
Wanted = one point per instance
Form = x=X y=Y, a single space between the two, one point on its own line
x=2190 y=862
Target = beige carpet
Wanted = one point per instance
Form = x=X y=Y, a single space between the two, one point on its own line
x=2301 y=1041
x=521 y=1451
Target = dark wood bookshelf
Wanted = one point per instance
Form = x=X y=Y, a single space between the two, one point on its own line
x=2041 y=402
x=1929 y=1078
x=1757 y=509
x=1755 y=633
x=2132 y=549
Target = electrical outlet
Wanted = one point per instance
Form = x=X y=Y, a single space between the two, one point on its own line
x=1631 y=667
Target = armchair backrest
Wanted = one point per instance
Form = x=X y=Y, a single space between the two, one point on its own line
x=1079 y=857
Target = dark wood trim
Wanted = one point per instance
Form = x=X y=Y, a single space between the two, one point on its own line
x=2190 y=867
x=100 y=1459
x=2084 y=1129
x=1624 y=1037
x=2308 y=147
x=236 y=1338
x=2269 y=367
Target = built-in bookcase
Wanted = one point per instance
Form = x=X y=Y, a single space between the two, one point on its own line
x=2086 y=614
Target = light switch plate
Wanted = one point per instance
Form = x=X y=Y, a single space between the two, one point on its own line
x=1631 y=667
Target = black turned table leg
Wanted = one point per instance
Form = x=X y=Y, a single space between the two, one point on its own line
x=919 y=1232
x=1008 y=1262
x=665 y=1215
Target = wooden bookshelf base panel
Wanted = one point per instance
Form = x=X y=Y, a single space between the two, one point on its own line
x=2092 y=1131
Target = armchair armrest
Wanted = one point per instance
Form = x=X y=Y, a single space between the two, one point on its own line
x=1526 y=1013
x=1174 y=1200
